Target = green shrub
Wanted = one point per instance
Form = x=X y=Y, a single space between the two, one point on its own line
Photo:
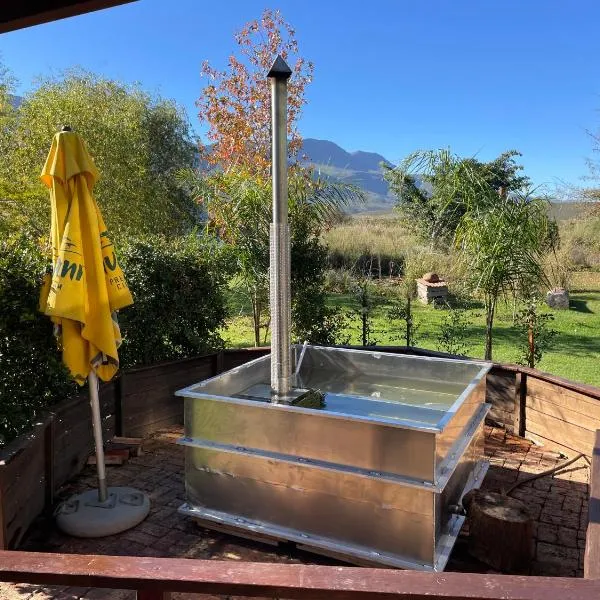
x=32 y=376
x=454 y=330
x=179 y=304
x=312 y=319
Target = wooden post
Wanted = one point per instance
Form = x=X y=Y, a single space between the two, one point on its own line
x=520 y=415
x=3 y=540
x=219 y=362
x=591 y=560
x=49 y=462
x=118 y=396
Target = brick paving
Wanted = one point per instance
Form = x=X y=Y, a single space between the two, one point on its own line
x=558 y=503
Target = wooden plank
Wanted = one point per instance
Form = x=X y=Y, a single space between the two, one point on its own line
x=591 y=563
x=565 y=398
x=566 y=434
x=49 y=462
x=563 y=413
x=23 y=483
x=520 y=404
x=295 y=581
x=500 y=393
x=564 y=384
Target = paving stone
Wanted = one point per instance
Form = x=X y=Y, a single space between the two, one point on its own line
x=567 y=537
x=558 y=505
x=547 y=533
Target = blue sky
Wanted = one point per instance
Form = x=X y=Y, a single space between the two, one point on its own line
x=391 y=76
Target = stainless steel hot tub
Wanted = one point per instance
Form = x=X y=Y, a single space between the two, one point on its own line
x=374 y=474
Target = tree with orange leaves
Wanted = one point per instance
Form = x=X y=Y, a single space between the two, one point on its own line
x=236 y=104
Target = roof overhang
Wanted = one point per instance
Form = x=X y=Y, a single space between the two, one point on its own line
x=17 y=14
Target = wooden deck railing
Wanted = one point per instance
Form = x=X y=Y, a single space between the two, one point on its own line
x=154 y=578
x=591 y=565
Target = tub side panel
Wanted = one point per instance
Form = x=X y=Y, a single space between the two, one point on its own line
x=455 y=429
x=467 y=475
x=371 y=446
x=372 y=513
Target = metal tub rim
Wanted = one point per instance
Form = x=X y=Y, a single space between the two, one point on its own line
x=190 y=392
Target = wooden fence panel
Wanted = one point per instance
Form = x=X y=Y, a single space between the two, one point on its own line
x=302 y=582
x=235 y=358
x=500 y=393
x=559 y=416
x=73 y=436
x=148 y=400
x=22 y=484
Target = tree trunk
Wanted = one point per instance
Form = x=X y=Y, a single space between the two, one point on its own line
x=490 y=305
x=408 y=322
x=500 y=531
x=531 y=343
x=364 y=328
x=256 y=319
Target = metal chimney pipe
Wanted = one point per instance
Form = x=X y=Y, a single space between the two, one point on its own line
x=280 y=292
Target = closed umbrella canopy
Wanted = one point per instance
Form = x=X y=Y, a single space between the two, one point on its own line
x=87 y=284
x=81 y=296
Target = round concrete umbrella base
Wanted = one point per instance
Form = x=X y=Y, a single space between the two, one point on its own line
x=84 y=516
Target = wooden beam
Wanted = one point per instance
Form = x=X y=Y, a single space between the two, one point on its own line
x=591 y=564
x=18 y=15
x=281 y=580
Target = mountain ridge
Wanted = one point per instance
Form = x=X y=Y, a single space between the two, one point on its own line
x=360 y=168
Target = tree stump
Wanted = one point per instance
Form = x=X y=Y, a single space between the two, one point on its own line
x=500 y=531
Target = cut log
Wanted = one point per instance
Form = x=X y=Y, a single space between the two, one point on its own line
x=500 y=531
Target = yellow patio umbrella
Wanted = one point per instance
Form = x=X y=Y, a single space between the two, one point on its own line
x=87 y=285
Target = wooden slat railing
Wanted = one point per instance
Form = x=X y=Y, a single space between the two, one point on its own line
x=155 y=577
x=591 y=565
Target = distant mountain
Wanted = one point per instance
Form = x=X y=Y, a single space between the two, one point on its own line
x=16 y=101
x=362 y=169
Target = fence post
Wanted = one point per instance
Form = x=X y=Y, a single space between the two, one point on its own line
x=118 y=397
x=520 y=412
x=3 y=540
x=49 y=462
x=220 y=362
x=591 y=561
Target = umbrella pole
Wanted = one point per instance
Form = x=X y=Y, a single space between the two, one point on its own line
x=97 y=426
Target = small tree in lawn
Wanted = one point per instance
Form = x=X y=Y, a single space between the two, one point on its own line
x=503 y=244
x=536 y=333
x=453 y=332
x=236 y=104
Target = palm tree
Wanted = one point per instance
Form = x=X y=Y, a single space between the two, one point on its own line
x=237 y=207
x=503 y=245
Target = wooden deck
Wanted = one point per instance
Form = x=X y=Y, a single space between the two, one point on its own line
x=559 y=504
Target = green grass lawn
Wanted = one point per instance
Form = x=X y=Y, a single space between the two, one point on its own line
x=576 y=348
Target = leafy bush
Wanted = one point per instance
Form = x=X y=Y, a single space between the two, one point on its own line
x=32 y=376
x=179 y=304
x=402 y=321
x=536 y=335
x=454 y=330
x=312 y=319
